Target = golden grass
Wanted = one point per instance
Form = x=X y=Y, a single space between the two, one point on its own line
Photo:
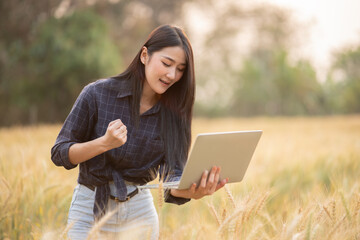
x=303 y=183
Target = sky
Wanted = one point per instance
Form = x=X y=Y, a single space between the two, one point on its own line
x=332 y=24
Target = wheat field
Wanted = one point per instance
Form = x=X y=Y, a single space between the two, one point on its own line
x=303 y=183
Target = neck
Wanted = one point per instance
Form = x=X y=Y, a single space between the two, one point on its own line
x=148 y=96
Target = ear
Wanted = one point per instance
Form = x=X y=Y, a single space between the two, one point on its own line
x=144 y=55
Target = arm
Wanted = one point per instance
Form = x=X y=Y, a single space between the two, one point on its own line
x=115 y=136
x=207 y=185
x=72 y=145
x=171 y=176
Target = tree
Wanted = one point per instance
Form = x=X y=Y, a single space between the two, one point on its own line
x=61 y=59
x=50 y=49
x=247 y=69
x=343 y=84
x=269 y=84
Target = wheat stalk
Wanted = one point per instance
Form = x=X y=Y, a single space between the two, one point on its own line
x=347 y=211
x=320 y=214
x=248 y=213
x=212 y=208
x=160 y=204
x=256 y=207
x=223 y=215
x=283 y=232
x=9 y=192
x=262 y=202
x=66 y=230
x=267 y=221
x=96 y=228
x=292 y=226
x=254 y=231
x=308 y=229
x=232 y=228
x=357 y=207
x=237 y=226
x=161 y=194
x=327 y=212
x=202 y=229
x=336 y=226
x=333 y=210
x=302 y=222
x=230 y=196
x=229 y=219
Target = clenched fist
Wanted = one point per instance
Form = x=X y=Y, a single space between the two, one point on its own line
x=116 y=134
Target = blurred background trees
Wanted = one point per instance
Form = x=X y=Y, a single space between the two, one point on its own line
x=262 y=80
x=245 y=61
x=343 y=83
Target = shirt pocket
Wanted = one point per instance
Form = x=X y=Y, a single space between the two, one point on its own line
x=153 y=149
x=142 y=152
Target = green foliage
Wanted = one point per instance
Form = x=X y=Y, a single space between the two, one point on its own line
x=343 y=84
x=63 y=57
x=46 y=60
x=269 y=84
x=244 y=67
x=70 y=57
x=263 y=81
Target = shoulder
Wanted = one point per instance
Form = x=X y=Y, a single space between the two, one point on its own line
x=109 y=84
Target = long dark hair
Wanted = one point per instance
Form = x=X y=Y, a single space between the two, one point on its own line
x=176 y=103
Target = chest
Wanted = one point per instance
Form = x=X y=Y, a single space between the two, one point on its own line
x=143 y=144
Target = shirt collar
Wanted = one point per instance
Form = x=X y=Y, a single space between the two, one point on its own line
x=154 y=109
x=125 y=89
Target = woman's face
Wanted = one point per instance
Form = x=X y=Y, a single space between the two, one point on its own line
x=163 y=68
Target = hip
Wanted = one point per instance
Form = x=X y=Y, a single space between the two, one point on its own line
x=135 y=215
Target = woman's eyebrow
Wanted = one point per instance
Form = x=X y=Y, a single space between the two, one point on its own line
x=172 y=60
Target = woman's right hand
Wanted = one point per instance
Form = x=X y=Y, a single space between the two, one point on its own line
x=116 y=134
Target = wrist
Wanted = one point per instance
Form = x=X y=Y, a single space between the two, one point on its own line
x=179 y=193
x=104 y=146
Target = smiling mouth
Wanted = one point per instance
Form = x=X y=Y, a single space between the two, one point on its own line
x=166 y=83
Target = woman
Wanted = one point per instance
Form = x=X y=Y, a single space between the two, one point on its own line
x=123 y=130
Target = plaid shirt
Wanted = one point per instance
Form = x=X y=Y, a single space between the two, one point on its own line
x=138 y=160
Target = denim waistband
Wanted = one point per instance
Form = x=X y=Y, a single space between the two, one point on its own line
x=129 y=186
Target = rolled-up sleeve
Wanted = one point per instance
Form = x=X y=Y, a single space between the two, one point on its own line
x=172 y=177
x=76 y=128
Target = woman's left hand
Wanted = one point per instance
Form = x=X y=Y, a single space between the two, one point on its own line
x=209 y=184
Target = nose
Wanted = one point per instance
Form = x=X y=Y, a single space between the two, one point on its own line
x=171 y=73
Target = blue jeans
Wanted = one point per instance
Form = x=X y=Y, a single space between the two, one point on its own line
x=134 y=219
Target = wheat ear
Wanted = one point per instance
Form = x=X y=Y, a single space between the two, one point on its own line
x=223 y=215
x=212 y=208
x=347 y=211
x=336 y=226
x=160 y=204
x=95 y=229
x=357 y=208
x=262 y=202
x=327 y=212
x=252 y=209
x=229 y=219
x=161 y=194
x=230 y=196
x=333 y=210
x=68 y=227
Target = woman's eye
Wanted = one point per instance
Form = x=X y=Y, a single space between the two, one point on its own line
x=165 y=64
x=181 y=69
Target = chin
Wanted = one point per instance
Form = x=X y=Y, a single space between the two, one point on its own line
x=161 y=91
